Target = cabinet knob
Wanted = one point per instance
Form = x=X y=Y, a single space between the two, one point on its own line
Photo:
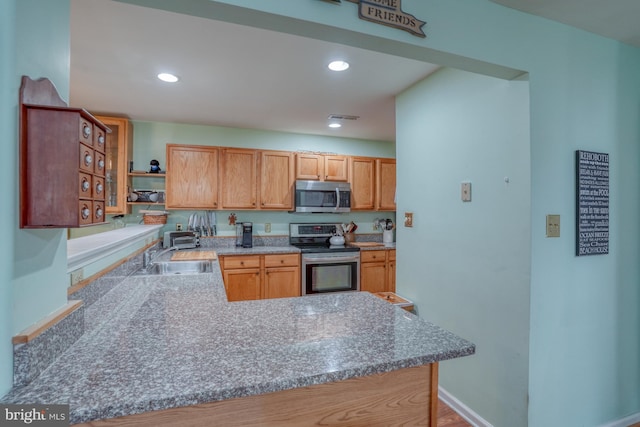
x=99 y=188
x=99 y=213
x=101 y=163
x=85 y=212
x=88 y=159
x=85 y=185
x=86 y=130
x=101 y=139
x=241 y=262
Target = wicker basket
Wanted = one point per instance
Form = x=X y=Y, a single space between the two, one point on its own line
x=154 y=219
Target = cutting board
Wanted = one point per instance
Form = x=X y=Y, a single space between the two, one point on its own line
x=193 y=255
x=365 y=244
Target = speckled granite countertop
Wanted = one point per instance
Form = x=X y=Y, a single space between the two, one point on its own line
x=174 y=341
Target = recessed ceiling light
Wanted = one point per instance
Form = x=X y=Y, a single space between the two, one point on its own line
x=335 y=125
x=338 y=65
x=169 y=78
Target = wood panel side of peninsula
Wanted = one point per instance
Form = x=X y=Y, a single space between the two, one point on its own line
x=405 y=397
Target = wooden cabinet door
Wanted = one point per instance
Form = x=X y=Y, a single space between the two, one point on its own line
x=281 y=282
x=243 y=284
x=309 y=166
x=276 y=180
x=238 y=179
x=373 y=277
x=391 y=271
x=385 y=184
x=362 y=178
x=336 y=168
x=192 y=177
x=118 y=152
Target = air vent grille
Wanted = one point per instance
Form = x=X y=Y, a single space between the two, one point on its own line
x=342 y=117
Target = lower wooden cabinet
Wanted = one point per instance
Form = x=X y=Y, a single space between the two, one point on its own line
x=251 y=277
x=378 y=270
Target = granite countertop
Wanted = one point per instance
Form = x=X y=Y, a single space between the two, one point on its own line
x=172 y=341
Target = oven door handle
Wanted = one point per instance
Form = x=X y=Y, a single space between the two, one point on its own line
x=330 y=258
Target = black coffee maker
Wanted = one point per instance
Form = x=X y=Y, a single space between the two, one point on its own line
x=247 y=234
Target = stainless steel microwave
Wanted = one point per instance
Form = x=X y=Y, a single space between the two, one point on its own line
x=322 y=196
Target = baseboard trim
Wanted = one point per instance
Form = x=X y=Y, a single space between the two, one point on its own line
x=624 y=422
x=463 y=410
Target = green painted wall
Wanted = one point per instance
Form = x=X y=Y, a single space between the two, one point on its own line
x=150 y=139
x=466 y=265
x=36 y=282
x=7 y=186
x=584 y=329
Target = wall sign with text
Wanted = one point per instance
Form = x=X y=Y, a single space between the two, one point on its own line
x=388 y=12
x=592 y=203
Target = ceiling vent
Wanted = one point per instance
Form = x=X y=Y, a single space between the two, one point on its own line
x=342 y=117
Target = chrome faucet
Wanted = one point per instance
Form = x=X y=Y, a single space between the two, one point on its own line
x=149 y=257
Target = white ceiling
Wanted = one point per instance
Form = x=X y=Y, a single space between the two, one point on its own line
x=231 y=75
x=615 y=19
x=239 y=76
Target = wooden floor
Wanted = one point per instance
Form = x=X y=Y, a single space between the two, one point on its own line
x=447 y=417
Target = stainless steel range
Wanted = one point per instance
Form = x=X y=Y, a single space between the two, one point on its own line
x=325 y=268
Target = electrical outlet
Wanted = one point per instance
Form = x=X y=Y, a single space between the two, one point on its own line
x=408 y=219
x=77 y=276
x=178 y=227
x=267 y=227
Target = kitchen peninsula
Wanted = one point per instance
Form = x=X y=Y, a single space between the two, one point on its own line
x=161 y=350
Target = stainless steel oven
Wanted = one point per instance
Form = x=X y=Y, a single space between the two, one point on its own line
x=330 y=272
x=325 y=268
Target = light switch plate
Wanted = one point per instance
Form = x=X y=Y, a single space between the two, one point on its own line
x=408 y=219
x=465 y=191
x=553 y=225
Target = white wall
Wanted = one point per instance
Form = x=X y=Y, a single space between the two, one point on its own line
x=466 y=265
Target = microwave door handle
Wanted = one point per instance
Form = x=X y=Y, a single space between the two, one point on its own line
x=337 y=198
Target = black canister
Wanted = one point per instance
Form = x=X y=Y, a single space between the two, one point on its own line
x=247 y=234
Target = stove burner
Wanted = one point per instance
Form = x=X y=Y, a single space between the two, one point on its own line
x=314 y=238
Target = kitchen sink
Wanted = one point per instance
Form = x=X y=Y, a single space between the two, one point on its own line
x=176 y=267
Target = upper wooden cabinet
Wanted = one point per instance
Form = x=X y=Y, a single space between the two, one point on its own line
x=276 y=180
x=118 y=152
x=386 y=184
x=362 y=177
x=239 y=178
x=322 y=167
x=373 y=183
x=62 y=161
x=192 y=177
